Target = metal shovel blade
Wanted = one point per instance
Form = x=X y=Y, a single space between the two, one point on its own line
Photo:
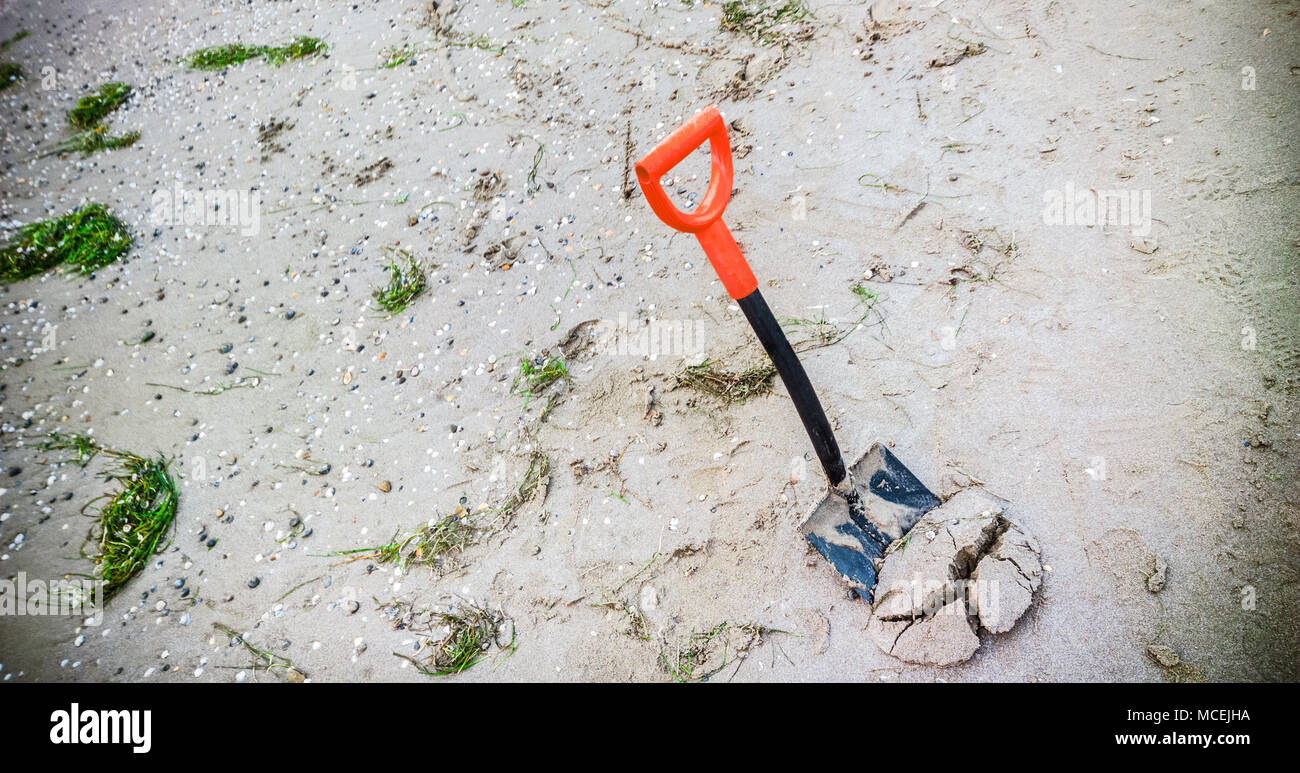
x=882 y=504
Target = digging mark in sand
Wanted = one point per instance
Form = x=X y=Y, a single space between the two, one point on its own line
x=963 y=567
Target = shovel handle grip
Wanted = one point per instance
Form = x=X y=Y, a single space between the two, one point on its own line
x=706 y=220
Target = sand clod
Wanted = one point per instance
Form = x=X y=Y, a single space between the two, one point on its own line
x=963 y=567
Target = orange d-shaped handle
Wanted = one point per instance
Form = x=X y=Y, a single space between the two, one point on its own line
x=706 y=220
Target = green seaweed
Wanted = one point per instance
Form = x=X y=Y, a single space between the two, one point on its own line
x=539 y=472
x=821 y=333
x=406 y=281
x=4 y=45
x=221 y=57
x=133 y=519
x=769 y=23
x=537 y=375
x=302 y=46
x=265 y=660
x=84 y=445
x=92 y=141
x=85 y=239
x=470 y=631
x=91 y=111
x=730 y=387
x=10 y=73
x=396 y=56
x=435 y=546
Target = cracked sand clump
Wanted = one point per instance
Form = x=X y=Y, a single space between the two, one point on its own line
x=963 y=567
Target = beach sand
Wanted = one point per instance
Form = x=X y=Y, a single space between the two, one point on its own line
x=1124 y=384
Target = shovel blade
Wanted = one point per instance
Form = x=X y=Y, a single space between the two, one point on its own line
x=852 y=532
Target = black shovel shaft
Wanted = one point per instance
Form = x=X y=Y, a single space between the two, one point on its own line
x=796 y=383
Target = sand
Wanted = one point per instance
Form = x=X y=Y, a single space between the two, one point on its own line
x=1125 y=387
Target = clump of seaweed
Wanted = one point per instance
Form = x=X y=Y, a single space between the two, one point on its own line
x=468 y=633
x=11 y=72
x=221 y=57
x=692 y=659
x=133 y=519
x=263 y=659
x=538 y=476
x=396 y=56
x=730 y=387
x=92 y=141
x=437 y=545
x=88 y=117
x=92 y=110
x=301 y=46
x=85 y=446
x=765 y=22
x=697 y=658
x=4 y=45
x=537 y=375
x=85 y=239
x=406 y=281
